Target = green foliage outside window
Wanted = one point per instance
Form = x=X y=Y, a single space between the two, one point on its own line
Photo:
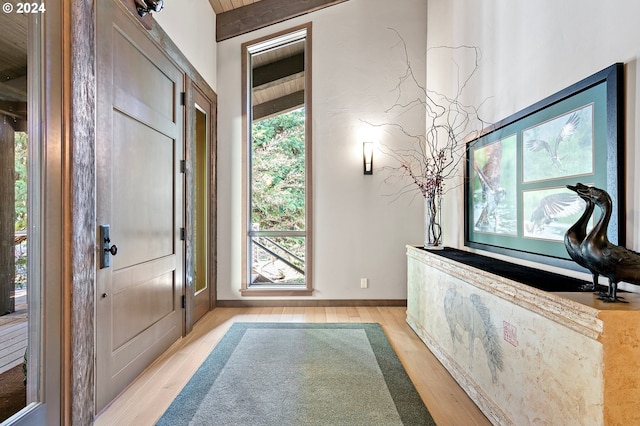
x=21 y=180
x=21 y=207
x=278 y=172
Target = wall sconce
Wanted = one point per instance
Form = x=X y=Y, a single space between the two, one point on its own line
x=146 y=6
x=367 y=157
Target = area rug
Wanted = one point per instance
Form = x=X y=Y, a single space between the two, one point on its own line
x=300 y=374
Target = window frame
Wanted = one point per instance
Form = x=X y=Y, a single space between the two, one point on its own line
x=247 y=289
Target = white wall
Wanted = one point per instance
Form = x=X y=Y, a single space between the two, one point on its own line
x=358 y=232
x=191 y=25
x=532 y=49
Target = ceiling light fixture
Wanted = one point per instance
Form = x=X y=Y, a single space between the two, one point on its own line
x=146 y=6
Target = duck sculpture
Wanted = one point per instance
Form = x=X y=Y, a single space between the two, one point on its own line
x=615 y=262
x=577 y=233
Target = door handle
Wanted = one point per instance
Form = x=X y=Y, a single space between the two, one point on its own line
x=113 y=249
x=107 y=249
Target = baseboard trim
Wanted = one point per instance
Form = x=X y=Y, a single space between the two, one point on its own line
x=315 y=303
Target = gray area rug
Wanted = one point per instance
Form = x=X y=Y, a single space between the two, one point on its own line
x=300 y=374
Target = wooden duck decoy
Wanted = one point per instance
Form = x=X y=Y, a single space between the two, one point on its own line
x=577 y=233
x=615 y=262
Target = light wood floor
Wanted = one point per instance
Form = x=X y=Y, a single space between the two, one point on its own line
x=145 y=400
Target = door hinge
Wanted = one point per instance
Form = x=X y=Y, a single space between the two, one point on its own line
x=183 y=234
x=183 y=98
x=184 y=302
x=183 y=166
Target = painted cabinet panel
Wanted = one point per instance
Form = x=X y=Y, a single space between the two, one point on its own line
x=526 y=356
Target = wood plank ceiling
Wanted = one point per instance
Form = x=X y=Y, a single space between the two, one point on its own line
x=221 y=6
x=278 y=80
x=13 y=67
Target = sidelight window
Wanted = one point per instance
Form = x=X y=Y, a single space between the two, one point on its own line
x=277 y=225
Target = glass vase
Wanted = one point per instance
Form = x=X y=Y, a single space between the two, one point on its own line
x=432 y=228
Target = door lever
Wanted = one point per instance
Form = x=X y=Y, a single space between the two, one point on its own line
x=107 y=249
x=113 y=249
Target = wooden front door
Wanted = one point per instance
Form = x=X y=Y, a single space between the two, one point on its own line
x=140 y=197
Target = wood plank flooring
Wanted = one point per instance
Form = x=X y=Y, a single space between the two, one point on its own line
x=13 y=334
x=146 y=399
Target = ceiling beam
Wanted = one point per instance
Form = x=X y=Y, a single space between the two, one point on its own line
x=278 y=106
x=264 y=13
x=278 y=70
x=17 y=110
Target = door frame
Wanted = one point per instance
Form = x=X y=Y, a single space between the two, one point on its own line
x=60 y=43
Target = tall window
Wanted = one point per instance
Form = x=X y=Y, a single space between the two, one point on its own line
x=277 y=114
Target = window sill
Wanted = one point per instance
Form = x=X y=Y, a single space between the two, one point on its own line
x=264 y=290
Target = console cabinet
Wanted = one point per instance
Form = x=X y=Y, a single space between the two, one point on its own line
x=526 y=356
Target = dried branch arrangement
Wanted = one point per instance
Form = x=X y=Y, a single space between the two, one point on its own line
x=428 y=161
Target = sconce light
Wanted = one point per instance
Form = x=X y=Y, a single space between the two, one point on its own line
x=367 y=157
x=145 y=6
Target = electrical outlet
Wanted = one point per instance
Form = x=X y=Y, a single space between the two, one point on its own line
x=364 y=283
